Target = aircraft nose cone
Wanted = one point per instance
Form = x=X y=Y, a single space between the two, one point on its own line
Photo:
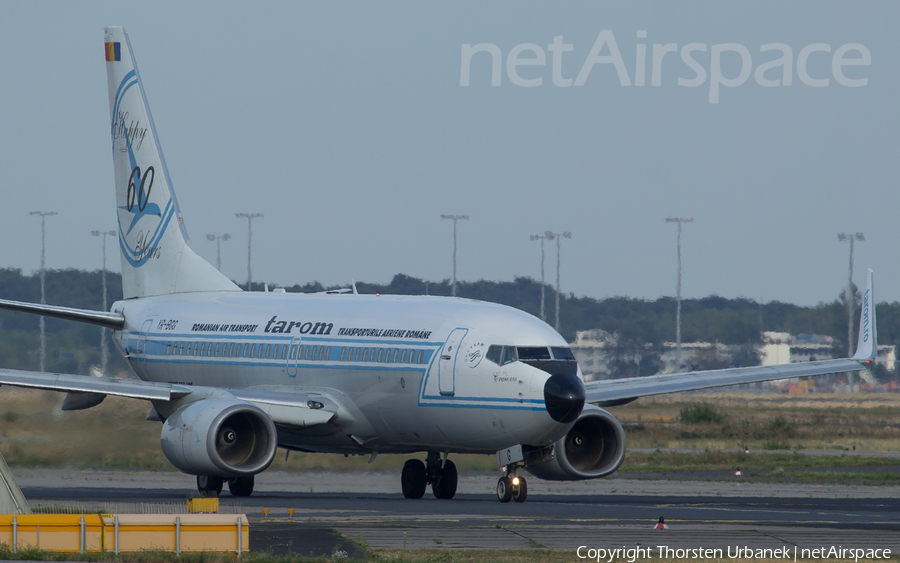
x=564 y=397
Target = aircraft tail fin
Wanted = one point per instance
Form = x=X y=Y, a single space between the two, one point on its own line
x=157 y=257
x=867 y=344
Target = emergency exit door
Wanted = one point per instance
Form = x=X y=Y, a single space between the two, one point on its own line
x=145 y=333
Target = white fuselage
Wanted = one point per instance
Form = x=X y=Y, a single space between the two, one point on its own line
x=404 y=373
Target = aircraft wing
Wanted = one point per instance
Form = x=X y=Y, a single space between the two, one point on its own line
x=611 y=391
x=291 y=407
x=86 y=391
x=132 y=388
x=619 y=391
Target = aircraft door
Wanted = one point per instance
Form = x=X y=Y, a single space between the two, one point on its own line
x=293 y=357
x=145 y=331
x=447 y=361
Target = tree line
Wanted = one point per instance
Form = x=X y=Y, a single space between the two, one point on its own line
x=640 y=325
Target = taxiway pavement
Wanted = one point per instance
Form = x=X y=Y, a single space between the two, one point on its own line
x=334 y=511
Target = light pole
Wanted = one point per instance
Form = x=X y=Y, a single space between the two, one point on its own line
x=558 y=236
x=104 y=349
x=851 y=295
x=679 y=221
x=218 y=239
x=250 y=217
x=455 y=218
x=542 y=238
x=43 y=215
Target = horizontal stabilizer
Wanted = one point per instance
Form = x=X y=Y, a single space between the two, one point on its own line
x=115 y=321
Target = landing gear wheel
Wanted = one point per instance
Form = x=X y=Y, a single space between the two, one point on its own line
x=445 y=485
x=520 y=492
x=504 y=489
x=412 y=479
x=209 y=486
x=241 y=486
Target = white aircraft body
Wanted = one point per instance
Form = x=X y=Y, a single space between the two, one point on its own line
x=233 y=375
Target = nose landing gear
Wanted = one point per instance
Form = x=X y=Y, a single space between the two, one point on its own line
x=511 y=486
x=439 y=473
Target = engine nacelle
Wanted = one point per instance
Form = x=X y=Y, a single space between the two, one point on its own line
x=219 y=438
x=594 y=447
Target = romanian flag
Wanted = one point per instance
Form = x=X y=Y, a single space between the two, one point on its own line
x=113 y=51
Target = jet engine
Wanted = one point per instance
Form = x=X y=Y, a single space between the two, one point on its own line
x=219 y=438
x=594 y=447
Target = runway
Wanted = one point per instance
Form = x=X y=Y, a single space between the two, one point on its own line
x=539 y=510
x=757 y=516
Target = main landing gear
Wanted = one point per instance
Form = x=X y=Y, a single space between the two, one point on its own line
x=511 y=486
x=439 y=473
x=212 y=486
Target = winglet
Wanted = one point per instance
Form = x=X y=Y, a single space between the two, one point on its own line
x=866 y=346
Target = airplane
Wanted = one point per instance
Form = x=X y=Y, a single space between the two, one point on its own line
x=232 y=375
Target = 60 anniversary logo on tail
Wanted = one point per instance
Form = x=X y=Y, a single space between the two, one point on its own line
x=142 y=223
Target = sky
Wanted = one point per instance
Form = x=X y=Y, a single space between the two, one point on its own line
x=350 y=126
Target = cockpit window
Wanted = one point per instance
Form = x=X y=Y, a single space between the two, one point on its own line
x=501 y=355
x=509 y=355
x=533 y=353
x=494 y=353
x=561 y=353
